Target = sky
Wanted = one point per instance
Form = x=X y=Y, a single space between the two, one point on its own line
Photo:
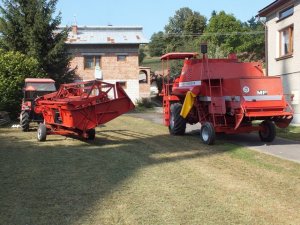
x=151 y=15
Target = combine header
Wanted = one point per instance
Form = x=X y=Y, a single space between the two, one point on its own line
x=77 y=108
x=224 y=96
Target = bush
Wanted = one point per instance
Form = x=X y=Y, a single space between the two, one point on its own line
x=145 y=103
x=14 y=68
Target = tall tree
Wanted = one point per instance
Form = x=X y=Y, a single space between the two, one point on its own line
x=157 y=44
x=183 y=27
x=29 y=27
x=253 y=42
x=222 y=33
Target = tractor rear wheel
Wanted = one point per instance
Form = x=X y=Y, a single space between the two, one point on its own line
x=177 y=122
x=268 y=131
x=42 y=132
x=24 y=121
x=207 y=133
x=91 y=134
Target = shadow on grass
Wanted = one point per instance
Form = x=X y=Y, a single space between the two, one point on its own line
x=60 y=184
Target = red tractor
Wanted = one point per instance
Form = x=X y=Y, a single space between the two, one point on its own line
x=34 y=87
x=224 y=96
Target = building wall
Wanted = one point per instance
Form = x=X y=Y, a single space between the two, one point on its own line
x=131 y=88
x=112 y=70
x=288 y=68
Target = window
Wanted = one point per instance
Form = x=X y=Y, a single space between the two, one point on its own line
x=286 y=12
x=123 y=84
x=91 y=61
x=286 y=41
x=121 y=57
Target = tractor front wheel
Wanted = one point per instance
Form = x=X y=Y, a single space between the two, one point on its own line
x=207 y=133
x=177 y=122
x=24 y=121
x=42 y=132
x=268 y=131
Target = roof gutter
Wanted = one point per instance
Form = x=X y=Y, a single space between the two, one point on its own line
x=266 y=44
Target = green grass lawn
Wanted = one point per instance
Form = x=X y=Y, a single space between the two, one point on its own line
x=153 y=62
x=136 y=173
x=291 y=132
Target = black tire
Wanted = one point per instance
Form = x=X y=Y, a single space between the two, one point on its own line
x=177 y=122
x=268 y=131
x=91 y=134
x=24 y=121
x=207 y=133
x=42 y=132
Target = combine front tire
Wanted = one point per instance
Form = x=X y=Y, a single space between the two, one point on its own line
x=24 y=121
x=268 y=131
x=42 y=132
x=207 y=133
x=91 y=134
x=177 y=122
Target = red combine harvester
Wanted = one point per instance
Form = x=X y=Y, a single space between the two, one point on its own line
x=224 y=96
x=77 y=108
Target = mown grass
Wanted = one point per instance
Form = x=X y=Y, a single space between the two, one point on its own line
x=291 y=132
x=136 y=173
x=153 y=62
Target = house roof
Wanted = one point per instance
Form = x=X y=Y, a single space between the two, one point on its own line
x=106 y=35
x=272 y=7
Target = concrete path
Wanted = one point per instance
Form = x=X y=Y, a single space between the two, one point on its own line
x=280 y=147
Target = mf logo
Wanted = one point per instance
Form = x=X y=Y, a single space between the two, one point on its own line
x=262 y=92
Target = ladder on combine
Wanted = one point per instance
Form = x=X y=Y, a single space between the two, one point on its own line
x=217 y=104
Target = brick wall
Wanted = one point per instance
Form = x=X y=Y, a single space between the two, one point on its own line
x=110 y=67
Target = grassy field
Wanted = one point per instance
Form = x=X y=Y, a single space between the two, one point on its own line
x=291 y=132
x=136 y=173
x=153 y=62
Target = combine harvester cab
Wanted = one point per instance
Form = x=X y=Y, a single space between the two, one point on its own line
x=77 y=108
x=224 y=96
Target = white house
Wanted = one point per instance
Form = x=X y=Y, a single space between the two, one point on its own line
x=283 y=46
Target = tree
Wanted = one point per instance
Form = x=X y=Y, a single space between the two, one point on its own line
x=184 y=27
x=222 y=33
x=253 y=44
x=14 y=68
x=157 y=44
x=30 y=28
x=142 y=54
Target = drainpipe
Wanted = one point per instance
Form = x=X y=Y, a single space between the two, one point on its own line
x=266 y=46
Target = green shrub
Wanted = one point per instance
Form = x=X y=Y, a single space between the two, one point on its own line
x=14 y=68
x=145 y=103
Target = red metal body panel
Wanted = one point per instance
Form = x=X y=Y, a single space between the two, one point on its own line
x=79 y=107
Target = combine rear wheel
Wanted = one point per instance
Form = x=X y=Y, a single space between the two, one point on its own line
x=268 y=131
x=24 y=121
x=177 y=122
x=207 y=133
x=42 y=132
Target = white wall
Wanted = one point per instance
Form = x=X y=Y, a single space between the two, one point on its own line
x=288 y=68
x=132 y=89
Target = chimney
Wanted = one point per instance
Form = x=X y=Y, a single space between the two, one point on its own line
x=74 y=26
x=74 y=29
